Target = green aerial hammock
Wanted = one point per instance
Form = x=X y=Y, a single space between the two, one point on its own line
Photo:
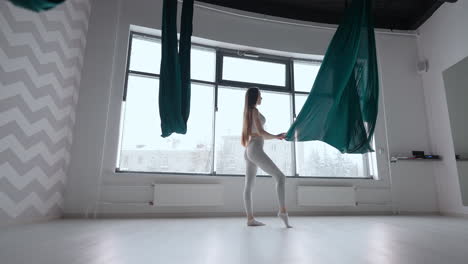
x=174 y=84
x=37 y=5
x=342 y=106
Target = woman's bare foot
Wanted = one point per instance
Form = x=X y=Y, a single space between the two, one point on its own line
x=284 y=217
x=253 y=222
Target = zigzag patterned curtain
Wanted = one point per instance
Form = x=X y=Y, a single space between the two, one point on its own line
x=37 y=5
x=342 y=106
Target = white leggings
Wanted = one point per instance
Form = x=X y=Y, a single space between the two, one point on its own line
x=255 y=157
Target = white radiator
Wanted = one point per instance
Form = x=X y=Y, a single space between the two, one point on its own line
x=188 y=195
x=326 y=196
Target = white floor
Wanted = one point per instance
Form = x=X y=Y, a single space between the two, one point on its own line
x=321 y=240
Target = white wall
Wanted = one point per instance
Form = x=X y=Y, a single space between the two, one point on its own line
x=87 y=150
x=401 y=99
x=444 y=42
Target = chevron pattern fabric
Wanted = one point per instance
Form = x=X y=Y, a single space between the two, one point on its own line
x=41 y=56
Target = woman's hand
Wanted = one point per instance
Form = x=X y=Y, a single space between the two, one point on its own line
x=281 y=136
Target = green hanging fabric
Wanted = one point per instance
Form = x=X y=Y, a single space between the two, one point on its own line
x=37 y=5
x=342 y=106
x=174 y=83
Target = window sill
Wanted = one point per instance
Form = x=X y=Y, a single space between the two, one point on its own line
x=240 y=175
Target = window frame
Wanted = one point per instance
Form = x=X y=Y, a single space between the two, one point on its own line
x=219 y=81
x=223 y=53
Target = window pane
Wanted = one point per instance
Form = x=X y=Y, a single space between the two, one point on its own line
x=143 y=148
x=305 y=73
x=229 y=151
x=145 y=55
x=299 y=102
x=372 y=162
x=203 y=64
x=254 y=71
x=316 y=158
x=276 y=107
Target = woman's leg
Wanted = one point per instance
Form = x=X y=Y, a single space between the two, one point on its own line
x=256 y=155
x=250 y=173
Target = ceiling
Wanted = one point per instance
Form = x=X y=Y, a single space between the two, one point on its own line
x=389 y=14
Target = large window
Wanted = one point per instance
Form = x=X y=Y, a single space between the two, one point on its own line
x=212 y=146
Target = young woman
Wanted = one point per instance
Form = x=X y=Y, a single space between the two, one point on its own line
x=253 y=136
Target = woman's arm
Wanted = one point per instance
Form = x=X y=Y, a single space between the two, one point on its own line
x=259 y=126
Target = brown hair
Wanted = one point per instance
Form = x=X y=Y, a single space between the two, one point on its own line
x=251 y=97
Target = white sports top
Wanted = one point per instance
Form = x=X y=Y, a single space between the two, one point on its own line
x=262 y=120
